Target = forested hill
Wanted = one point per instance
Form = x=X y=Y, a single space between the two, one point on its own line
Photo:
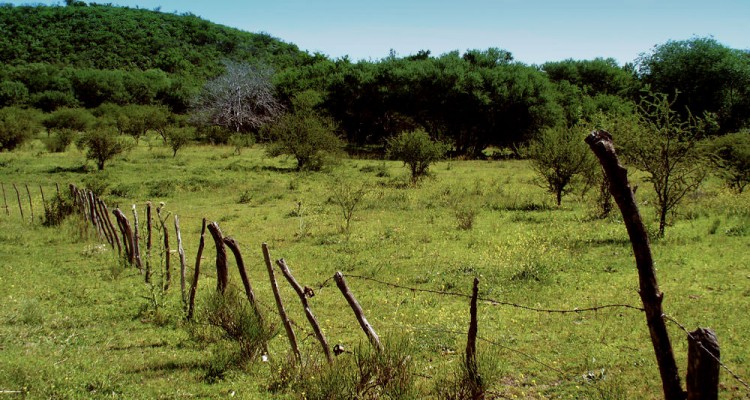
x=109 y=37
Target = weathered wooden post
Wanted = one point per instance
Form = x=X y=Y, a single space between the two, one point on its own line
x=113 y=231
x=181 y=252
x=196 y=272
x=703 y=365
x=167 y=251
x=20 y=207
x=103 y=220
x=137 y=240
x=5 y=201
x=31 y=205
x=235 y=248
x=280 y=304
x=369 y=331
x=147 y=276
x=308 y=312
x=471 y=343
x=127 y=234
x=222 y=272
x=601 y=144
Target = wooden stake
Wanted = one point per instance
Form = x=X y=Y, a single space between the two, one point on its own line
x=31 y=206
x=222 y=272
x=113 y=231
x=601 y=144
x=18 y=196
x=280 y=304
x=181 y=252
x=196 y=272
x=148 y=242
x=104 y=220
x=308 y=312
x=127 y=234
x=369 y=331
x=137 y=240
x=703 y=365
x=167 y=251
x=235 y=248
x=5 y=201
x=471 y=342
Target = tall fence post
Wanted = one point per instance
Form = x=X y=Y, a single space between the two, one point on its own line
x=196 y=272
x=31 y=205
x=235 y=248
x=181 y=252
x=222 y=272
x=167 y=251
x=147 y=276
x=471 y=343
x=601 y=144
x=137 y=239
x=703 y=365
x=354 y=304
x=280 y=304
x=5 y=201
x=127 y=234
x=20 y=207
x=308 y=312
x=113 y=231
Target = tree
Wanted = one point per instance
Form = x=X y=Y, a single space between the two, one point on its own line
x=731 y=155
x=305 y=134
x=242 y=99
x=559 y=156
x=709 y=76
x=179 y=137
x=102 y=144
x=63 y=125
x=664 y=145
x=16 y=126
x=417 y=150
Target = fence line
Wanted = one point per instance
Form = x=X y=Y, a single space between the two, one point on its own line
x=93 y=215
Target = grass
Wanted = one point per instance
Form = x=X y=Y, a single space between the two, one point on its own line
x=77 y=323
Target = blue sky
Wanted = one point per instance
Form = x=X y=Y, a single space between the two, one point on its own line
x=534 y=31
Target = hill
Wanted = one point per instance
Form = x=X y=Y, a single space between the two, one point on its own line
x=108 y=37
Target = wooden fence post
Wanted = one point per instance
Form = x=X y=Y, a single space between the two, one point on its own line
x=222 y=272
x=703 y=365
x=235 y=248
x=20 y=208
x=196 y=272
x=127 y=234
x=148 y=242
x=369 y=331
x=601 y=144
x=31 y=206
x=167 y=251
x=280 y=304
x=103 y=219
x=5 y=201
x=113 y=231
x=137 y=240
x=471 y=342
x=308 y=312
x=181 y=252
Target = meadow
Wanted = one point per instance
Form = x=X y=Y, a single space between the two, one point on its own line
x=77 y=322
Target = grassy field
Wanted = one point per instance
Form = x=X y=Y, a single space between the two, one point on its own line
x=77 y=323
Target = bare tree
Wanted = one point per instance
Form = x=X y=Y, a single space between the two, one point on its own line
x=240 y=100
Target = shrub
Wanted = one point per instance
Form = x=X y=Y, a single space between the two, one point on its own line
x=101 y=145
x=16 y=127
x=416 y=150
x=57 y=209
x=731 y=155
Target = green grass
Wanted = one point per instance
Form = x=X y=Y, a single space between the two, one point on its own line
x=76 y=323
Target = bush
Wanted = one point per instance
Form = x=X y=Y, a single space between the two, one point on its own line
x=16 y=127
x=731 y=155
x=102 y=145
x=57 y=209
x=416 y=150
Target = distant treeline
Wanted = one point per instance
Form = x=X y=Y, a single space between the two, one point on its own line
x=86 y=55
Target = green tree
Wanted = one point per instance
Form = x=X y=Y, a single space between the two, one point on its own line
x=102 y=144
x=63 y=125
x=13 y=93
x=709 y=77
x=731 y=155
x=179 y=137
x=417 y=150
x=305 y=134
x=663 y=144
x=560 y=157
x=16 y=127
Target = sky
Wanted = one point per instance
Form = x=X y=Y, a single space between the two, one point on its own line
x=534 y=31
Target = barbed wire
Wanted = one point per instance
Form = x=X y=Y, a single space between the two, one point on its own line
x=734 y=375
x=493 y=301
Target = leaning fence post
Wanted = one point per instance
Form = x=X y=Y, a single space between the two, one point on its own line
x=20 y=207
x=369 y=331
x=112 y=229
x=104 y=220
x=601 y=144
x=181 y=252
x=222 y=272
x=31 y=206
x=196 y=272
x=137 y=240
x=235 y=248
x=167 y=252
x=308 y=312
x=703 y=365
x=280 y=304
x=471 y=342
x=5 y=200
x=148 y=242
x=127 y=234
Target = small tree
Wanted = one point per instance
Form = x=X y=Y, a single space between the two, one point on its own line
x=731 y=155
x=240 y=100
x=559 y=156
x=304 y=134
x=102 y=144
x=16 y=126
x=664 y=145
x=64 y=124
x=347 y=195
x=179 y=137
x=416 y=150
